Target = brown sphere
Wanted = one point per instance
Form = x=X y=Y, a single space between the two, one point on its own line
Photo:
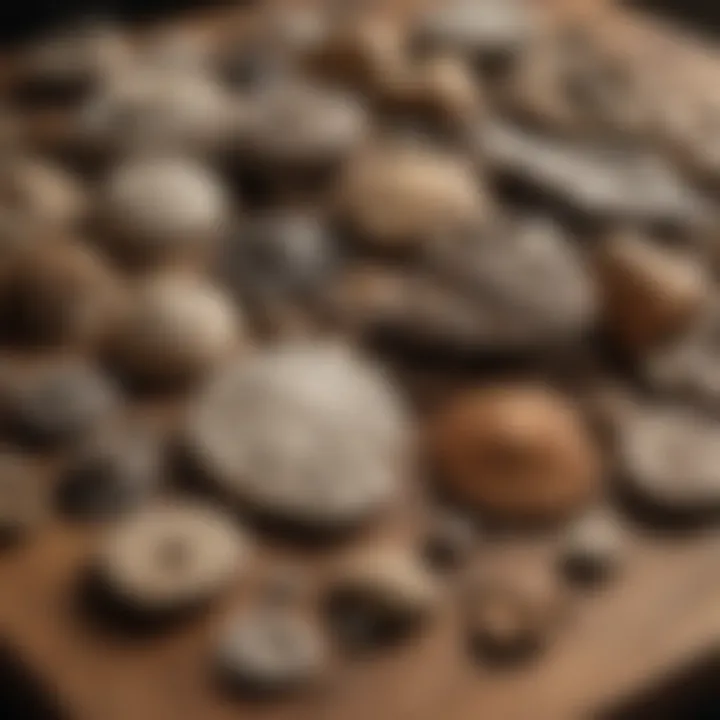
x=516 y=452
x=394 y=197
x=649 y=293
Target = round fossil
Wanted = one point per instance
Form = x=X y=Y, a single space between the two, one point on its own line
x=305 y=432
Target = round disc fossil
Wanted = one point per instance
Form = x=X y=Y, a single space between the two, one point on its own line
x=171 y=557
x=309 y=433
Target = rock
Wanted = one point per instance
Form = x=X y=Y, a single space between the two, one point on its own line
x=380 y=594
x=157 y=210
x=599 y=182
x=24 y=498
x=270 y=651
x=513 y=610
x=151 y=109
x=686 y=369
x=450 y=541
x=362 y=53
x=44 y=192
x=395 y=197
x=300 y=126
x=58 y=403
x=281 y=261
x=668 y=459
x=111 y=474
x=59 y=293
x=170 y=558
x=286 y=584
x=515 y=452
x=478 y=28
x=306 y=433
x=650 y=294
x=177 y=328
x=592 y=548
x=71 y=64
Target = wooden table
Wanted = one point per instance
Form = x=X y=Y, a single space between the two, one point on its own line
x=661 y=615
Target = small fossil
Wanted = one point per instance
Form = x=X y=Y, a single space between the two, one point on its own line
x=170 y=557
x=270 y=651
x=380 y=594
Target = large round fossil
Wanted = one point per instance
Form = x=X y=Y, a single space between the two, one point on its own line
x=310 y=434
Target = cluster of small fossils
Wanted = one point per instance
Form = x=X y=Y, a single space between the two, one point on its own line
x=474 y=189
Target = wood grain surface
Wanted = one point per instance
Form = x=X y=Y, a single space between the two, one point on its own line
x=662 y=614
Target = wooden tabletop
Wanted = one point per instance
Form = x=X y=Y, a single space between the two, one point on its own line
x=661 y=614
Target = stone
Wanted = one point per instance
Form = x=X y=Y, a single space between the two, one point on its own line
x=307 y=433
x=153 y=109
x=270 y=651
x=592 y=548
x=44 y=192
x=59 y=293
x=177 y=327
x=170 y=558
x=58 y=403
x=396 y=196
x=113 y=473
x=515 y=452
x=513 y=610
x=668 y=460
x=449 y=542
x=593 y=181
x=380 y=594
x=24 y=498
x=159 y=209
x=650 y=294
x=299 y=125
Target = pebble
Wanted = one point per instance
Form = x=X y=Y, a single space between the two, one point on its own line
x=177 y=328
x=71 y=64
x=669 y=459
x=60 y=402
x=592 y=548
x=301 y=126
x=60 y=293
x=449 y=542
x=513 y=610
x=112 y=473
x=169 y=558
x=285 y=585
x=477 y=28
x=518 y=452
x=525 y=285
x=597 y=181
x=271 y=651
x=397 y=196
x=308 y=433
x=363 y=53
x=650 y=294
x=686 y=369
x=156 y=109
x=156 y=210
x=24 y=501
x=43 y=191
x=380 y=594
x=282 y=256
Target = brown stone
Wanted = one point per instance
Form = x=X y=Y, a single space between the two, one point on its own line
x=517 y=452
x=396 y=196
x=176 y=327
x=650 y=294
